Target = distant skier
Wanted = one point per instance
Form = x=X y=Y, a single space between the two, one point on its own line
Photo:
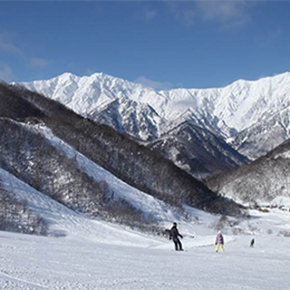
x=219 y=242
x=252 y=243
x=173 y=235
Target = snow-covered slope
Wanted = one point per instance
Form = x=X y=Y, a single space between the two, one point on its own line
x=125 y=115
x=265 y=135
x=83 y=253
x=84 y=94
x=120 y=190
x=223 y=110
x=64 y=222
x=77 y=186
x=113 y=258
x=264 y=181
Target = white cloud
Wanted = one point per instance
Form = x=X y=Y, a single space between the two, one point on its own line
x=5 y=72
x=89 y=72
x=154 y=84
x=272 y=35
x=150 y=15
x=189 y=16
x=38 y=63
x=7 y=46
x=230 y=13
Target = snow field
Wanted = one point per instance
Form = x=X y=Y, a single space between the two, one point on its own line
x=29 y=262
x=98 y=255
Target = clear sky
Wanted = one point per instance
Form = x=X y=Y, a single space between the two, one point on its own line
x=165 y=44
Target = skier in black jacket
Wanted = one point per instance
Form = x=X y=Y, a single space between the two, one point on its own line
x=174 y=234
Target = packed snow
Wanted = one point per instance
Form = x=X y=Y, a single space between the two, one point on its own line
x=82 y=262
x=82 y=253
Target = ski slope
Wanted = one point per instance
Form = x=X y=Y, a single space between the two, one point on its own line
x=29 y=262
x=98 y=255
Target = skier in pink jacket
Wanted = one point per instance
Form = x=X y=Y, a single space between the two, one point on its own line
x=219 y=242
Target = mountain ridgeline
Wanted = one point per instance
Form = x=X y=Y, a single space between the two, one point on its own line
x=247 y=114
x=26 y=152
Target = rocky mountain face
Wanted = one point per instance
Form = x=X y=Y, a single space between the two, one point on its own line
x=197 y=150
x=33 y=134
x=264 y=181
x=127 y=116
x=263 y=136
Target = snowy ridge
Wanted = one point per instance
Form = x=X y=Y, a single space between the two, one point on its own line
x=224 y=111
x=138 y=120
x=233 y=104
x=83 y=94
x=264 y=136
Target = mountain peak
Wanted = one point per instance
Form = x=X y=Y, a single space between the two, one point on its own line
x=233 y=108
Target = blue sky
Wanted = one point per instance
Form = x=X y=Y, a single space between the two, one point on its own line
x=164 y=44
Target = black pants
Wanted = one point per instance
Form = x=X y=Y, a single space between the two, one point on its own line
x=178 y=245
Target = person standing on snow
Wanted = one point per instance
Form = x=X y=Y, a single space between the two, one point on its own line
x=219 y=242
x=252 y=243
x=174 y=234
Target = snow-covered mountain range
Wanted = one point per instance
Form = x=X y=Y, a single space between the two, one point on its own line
x=233 y=112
